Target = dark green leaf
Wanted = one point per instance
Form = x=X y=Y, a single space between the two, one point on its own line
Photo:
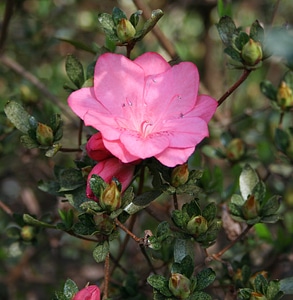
x=134 y=18
x=51 y=187
x=271 y=206
x=77 y=197
x=70 y=179
x=117 y=15
x=200 y=296
x=241 y=40
x=192 y=208
x=101 y=251
x=274 y=290
x=163 y=229
x=74 y=70
x=160 y=283
x=205 y=278
x=261 y=284
x=270 y=219
x=183 y=248
x=97 y=185
x=226 y=29
x=268 y=90
x=257 y=32
x=210 y=212
x=288 y=78
x=90 y=206
x=34 y=222
x=233 y=53
x=180 y=218
x=17 y=115
x=185 y=267
x=28 y=142
x=282 y=139
x=70 y=289
x=259 y=191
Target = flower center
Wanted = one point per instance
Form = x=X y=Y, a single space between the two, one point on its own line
x=146 y=128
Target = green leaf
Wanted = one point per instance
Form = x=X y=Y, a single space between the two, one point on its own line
x=101 y=251
x=233 y=53
x=74 y=70
x=247 y=181
x=70 y=179
x=183 y=248
x=192 y=208
x=257 y=32
x=270 y=219
x=159 y=283
x=185 y=267
x=205 y=278
x=180 y=218
x=241 y=40
x=77 y=197
x=263 y=232
x=52 y=187
x=134 y=18
x=70 y=289
x=199 y=296
x=67 y=217
x=28 y=142
x=117 y=15
x=286 y=285
x=32 y=221
x=108 y=26
x=163 y=229
x=261 y=284
x=149 y=24
x=210 y=212
x=274 y=290
x=226 y=29
x=288 y=78
x=97 y=184
x=282 y=139
x=259 y=191
x=90 y=206
x=17 y=115
x=53 y=150
x=271 y=206
x=268 y=90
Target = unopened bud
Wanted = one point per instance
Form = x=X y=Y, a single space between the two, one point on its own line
x=235 y=149
x=197 y=225
x=111 y=197
x=44 y=134
x=179 y=175
x=252 y=53
x=125 y=30
x=179 y=285
x=251 y=208
x=27 y=233
x=284 y=95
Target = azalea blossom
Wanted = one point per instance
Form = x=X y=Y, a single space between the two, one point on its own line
x=109 y=168
x=95 y=148
x=91 y=292
x=145 y=108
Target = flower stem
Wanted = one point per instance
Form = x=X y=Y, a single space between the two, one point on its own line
x=107 y=276
x=124 y=228
x=239 y=237
x=234 y=86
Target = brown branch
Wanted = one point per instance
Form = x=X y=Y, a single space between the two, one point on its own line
x=107 y=276
x=164 y=41
x=124 y=228
x=17 y=68
x=234 y=86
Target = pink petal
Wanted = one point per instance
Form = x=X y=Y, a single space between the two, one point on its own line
x=95 y=148
x=205 y=108
x=169 y=94
x=174 y=156
x=145 y=147
x=152 y=63
x=118 y=82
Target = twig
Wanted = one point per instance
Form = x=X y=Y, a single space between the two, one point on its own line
x=5 y=208
x=175 y=200
x=17 y=68
x=107 y=276
x=234 y=86
x=124 y=228
x=165 y=43
x=218 y=255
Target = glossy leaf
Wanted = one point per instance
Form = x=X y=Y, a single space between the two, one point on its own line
x=101 y=251
x=159 y=283
x=226 y=28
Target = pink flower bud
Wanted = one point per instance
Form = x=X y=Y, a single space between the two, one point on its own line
x=91 y=292
x=179 y=285
x=235 y=149
x=111 y=197
x=125 y=30
x=44 y=134
x=284 y=96
x=197 y=225
x=111 y=168
x=95 y=148
x=252 y=53
x=251 y=208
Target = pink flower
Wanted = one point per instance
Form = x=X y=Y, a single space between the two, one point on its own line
x=91 y=292
x=109 y=168
x=95 y=148
x=145 y=108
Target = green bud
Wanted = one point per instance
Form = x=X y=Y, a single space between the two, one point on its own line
x=179 y=175
x=27 y=233
x=111 y=197
x=251 y=208
x=235 y=150
x=284 y=96
x=125 y=30
x=197 y=225
x=179 y=285
x=44 y=135
x=252 y=53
